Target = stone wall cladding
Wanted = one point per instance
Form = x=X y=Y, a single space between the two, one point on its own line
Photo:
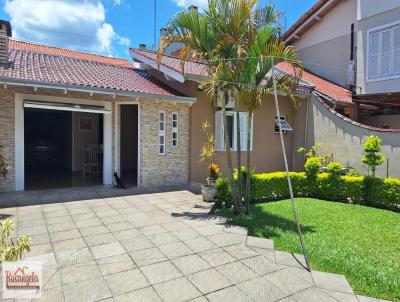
x=173 y=167
x=156 y=170
x=7 y=137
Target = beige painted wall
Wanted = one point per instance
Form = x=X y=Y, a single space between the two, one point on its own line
x=325 y=47
x=345 y=140
x=267 y=152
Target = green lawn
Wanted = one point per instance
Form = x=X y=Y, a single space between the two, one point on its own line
x=359 y=242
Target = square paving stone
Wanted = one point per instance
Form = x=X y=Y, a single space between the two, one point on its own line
x=290 y=259
x=262 y=290
x=175 y=249
x=143 y=295
x=88 y=223
x=200 y=244
x=186 y=234
x=229 y=294
x=331 y=282
x=136 y=244
x=261 y=265
x=40 y=239
x=163 y=238
x=177 y=290
x=208 y=230
x=153 y=229
x=115 y=264
x=160 y=272
x=240 y=251
x=119 y=226
x=287 y=281
x=147 y=256
x=261 y=243
x=209 y=280
x=71 y=244
x=64 y=235
x=61 y=227
x=79 y=273
x=107 y=250
x=226 y=239
x=72 y=257
x=190 y=264
x=217 y=257
x=175 y=226
x=87 y=291
x=99 y=239
x=41 y=249
x=313 y=294
x=94 y=230
x=126 y=281
x=113 y=219
x=236 y=272
x=343 y=297
x=127 y=234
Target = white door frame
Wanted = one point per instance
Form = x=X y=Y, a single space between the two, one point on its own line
x=117 y=159
x=20 y=135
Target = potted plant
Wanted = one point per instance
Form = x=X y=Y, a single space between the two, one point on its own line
x=207 y=155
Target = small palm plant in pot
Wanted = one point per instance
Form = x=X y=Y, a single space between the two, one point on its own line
x=207 y=155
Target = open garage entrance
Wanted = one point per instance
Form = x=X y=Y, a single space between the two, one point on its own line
x=129 y=144
x=62 y=148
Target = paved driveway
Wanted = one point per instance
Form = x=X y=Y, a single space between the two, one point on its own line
x=161 y=247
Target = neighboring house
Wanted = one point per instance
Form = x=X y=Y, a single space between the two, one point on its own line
x=55 y=103
x=355 y=44
x=312 y=119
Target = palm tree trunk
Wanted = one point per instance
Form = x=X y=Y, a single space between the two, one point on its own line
x=248 y=163
x=236 y=210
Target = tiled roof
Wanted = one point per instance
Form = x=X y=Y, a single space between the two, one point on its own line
x=57 y=51
x=34 y=62
x=171 y=62
x=321 y=85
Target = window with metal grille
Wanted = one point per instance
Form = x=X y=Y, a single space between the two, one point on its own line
x=284 y=124
x=161 y=133
x=175 y=132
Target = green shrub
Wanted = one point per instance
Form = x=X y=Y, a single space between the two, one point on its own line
x=312 y=167
x=334 y=168
x=372 y=158
x=353 y=172
x=224 y=192
x=358 y=189
x=383 y=192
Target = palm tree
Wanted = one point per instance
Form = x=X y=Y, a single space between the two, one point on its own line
x=202 y=36
x=265 y=44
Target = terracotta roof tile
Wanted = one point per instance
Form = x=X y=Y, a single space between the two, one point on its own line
x=47 y=64
x=321 y=85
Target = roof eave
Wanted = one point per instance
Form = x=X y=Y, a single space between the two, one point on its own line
x=97 y=90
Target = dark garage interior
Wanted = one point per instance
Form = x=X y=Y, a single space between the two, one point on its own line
x=55 y=147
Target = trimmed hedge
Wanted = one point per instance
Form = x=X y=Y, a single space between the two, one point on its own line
x=360 y=189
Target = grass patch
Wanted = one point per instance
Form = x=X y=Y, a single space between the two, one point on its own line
x=359 y=242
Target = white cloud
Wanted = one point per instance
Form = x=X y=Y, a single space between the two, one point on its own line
x=65 y=23
x=187 y=3
x=116 y=2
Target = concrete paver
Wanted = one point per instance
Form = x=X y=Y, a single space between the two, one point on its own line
x=104 y=244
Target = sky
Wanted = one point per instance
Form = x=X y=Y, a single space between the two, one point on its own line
x=107 y=27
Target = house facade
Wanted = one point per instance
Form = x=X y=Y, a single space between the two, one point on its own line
x=355 y=44
x=58 y=105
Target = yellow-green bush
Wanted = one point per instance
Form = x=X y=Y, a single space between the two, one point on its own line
x=360 y=189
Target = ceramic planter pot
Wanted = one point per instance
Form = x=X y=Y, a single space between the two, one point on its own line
x=208 y=193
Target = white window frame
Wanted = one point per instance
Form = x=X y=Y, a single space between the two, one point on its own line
x=369 y=32
x=175 y=129
x=161 y=132
x=283 y=117
x=234 y=139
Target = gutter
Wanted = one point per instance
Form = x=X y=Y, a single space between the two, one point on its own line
x=108 y=91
